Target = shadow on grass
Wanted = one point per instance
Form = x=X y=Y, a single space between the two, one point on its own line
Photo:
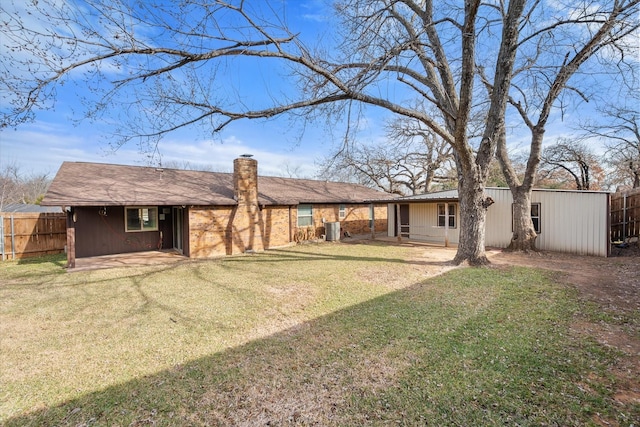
x=59 y=260
x=469 y=348
x=36 y=267
x=285 y=255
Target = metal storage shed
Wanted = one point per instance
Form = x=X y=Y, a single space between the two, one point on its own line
x=568 y=221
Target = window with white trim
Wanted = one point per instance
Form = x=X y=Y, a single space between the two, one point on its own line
x=535 y=217
x=536 y=211
x=443 y=217
x=342 y=211
x=305 y=215
x=140 y=218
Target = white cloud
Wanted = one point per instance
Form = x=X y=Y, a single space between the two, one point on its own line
x=42 y=147
x=220 y=155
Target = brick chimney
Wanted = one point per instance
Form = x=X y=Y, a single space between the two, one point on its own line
x=246 y=223
x=245 y=180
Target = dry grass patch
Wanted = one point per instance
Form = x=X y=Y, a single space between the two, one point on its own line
x=472 y=347
x=64 y=335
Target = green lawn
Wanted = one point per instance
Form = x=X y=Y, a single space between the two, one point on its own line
x=330 y=334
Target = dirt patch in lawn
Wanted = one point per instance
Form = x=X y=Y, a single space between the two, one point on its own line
x=613 y=284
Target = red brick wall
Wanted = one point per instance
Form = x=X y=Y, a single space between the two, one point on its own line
x=356 y=220
x=213 y=234
x=208 y=230
x=277 y=229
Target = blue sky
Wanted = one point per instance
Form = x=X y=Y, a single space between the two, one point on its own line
x=279 y=146
x=60 y=134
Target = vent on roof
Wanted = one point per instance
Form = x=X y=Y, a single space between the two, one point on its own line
x=246 y=156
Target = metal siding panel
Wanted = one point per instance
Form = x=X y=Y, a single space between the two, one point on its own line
x=419 y=220
x=572 y=222
x=498 y=227
x=423 y=218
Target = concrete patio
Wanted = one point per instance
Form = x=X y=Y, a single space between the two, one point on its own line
x=129 y=259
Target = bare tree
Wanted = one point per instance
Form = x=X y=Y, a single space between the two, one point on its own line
x=410 y=161
x=19 y=188
x=186 y=165
x=593 y=37
x=619 y=129
x=159 y=64
x=9 y=185
x=291 y=170
x=574 y=161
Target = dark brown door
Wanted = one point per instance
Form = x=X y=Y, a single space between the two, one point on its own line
x=404 y=220
x=178 y=229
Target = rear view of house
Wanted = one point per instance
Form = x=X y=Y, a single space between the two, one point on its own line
x=115 y=209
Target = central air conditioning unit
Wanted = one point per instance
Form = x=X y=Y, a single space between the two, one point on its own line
x=332 y=230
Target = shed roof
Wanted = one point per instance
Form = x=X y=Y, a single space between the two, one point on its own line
x=99 y=184
x=452 y=195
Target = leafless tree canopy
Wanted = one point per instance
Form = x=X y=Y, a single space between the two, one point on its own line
x=411 y=160
x=573 y=160
x=618 y=128
x=18 y=187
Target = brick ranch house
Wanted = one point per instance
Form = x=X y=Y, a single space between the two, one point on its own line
x=114 y=209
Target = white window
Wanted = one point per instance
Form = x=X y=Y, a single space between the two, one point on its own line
x=140 y=219
x=342 y=211
x=305 y=215
x=443 y=217
x=535 y=217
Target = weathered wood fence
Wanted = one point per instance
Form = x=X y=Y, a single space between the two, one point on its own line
x=625 y=215
x=25 y=235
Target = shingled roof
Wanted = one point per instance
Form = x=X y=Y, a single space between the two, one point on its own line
x=99 y=184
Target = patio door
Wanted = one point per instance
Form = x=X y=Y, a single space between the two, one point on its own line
x=178 y=229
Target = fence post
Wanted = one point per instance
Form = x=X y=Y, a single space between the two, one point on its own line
x=2 y=236
x=624 y=217
x=13 y=240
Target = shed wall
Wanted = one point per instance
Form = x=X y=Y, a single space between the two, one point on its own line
x=423 y=218
x=391 y=220
x=423 y=223
x=574 y=222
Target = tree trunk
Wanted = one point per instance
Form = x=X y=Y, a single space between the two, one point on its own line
x=524 y=235
x=473 y=214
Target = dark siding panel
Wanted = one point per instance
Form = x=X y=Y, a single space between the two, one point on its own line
x=166 y=226
x=186 y=250
x=103 y=235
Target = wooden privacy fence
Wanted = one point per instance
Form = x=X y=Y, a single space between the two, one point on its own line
x=25 y=235
x=625 y=215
